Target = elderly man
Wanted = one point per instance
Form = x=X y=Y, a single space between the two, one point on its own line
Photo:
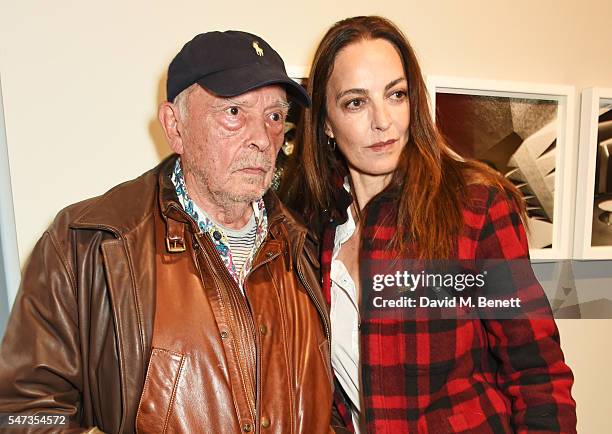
x=186 y=300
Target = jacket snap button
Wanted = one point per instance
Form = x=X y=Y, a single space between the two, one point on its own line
x=265 y=422
x=263 y=329
x=224 y=334
x=269 y=254
x=247 y=427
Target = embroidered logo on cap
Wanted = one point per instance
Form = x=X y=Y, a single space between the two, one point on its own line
x=257 y=48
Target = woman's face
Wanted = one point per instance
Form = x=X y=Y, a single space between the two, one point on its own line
x=368 y=111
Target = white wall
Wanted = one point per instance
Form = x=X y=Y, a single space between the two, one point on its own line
x=81 y=81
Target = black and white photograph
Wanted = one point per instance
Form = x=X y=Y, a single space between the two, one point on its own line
x=520 y=135
x=593 y=234
x=602 y=199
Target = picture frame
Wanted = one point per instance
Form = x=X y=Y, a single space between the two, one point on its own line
x=286 y=157
x=526 y=132
x=593 y=235
x=9 y=255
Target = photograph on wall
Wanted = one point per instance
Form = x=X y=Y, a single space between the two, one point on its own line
x=515 y=136
x=288 y=154
x=601 y=234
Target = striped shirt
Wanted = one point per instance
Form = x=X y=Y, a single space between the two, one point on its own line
x=241 y=241
x=217 y=233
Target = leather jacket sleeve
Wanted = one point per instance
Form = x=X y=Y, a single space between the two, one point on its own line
x=40 y=360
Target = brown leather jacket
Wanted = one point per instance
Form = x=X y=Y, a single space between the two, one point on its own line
x=80 y=340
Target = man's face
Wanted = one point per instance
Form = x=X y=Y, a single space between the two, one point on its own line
x=230 y=144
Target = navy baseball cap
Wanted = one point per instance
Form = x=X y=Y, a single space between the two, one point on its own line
x=228 y=64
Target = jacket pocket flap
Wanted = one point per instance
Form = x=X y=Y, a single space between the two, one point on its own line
x=157 y=397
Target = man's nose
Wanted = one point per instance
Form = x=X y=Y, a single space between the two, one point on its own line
x=261 y=136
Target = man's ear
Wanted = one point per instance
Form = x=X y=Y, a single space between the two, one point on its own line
x=169 y=119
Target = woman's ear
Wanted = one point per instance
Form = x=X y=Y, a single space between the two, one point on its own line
x=169 y=119
x=328 y=130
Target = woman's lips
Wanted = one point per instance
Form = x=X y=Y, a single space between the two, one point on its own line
x=382 y=146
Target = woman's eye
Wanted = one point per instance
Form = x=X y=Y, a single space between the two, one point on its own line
x=354 y=104
x=399 y=94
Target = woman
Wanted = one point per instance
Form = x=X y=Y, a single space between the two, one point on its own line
x=383 y=185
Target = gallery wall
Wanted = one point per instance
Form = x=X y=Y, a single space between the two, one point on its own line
x=81 y=81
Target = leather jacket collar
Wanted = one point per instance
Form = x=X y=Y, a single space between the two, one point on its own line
x=120 y=222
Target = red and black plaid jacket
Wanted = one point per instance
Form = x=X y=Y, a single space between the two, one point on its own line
x=478 y=375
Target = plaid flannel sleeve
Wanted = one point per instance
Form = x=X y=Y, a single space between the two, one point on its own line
x=531 y=368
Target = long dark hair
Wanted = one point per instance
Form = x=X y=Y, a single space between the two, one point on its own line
x=432 y=179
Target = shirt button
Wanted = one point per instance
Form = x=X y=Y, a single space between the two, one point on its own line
x=217 y=235
x=247 y=427
x=263 y=329
x=265 y=422
x=224 y=334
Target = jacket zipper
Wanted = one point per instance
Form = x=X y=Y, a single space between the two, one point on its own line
x=203 y=238
x=228 y=278
x=258 y=378
x=312 y=294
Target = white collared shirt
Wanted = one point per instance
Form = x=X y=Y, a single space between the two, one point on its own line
x=344 y=314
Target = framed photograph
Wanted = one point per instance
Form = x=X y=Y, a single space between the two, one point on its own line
x=288 y=152
x=593 y=236
x=524 y=131
x=9 y=257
